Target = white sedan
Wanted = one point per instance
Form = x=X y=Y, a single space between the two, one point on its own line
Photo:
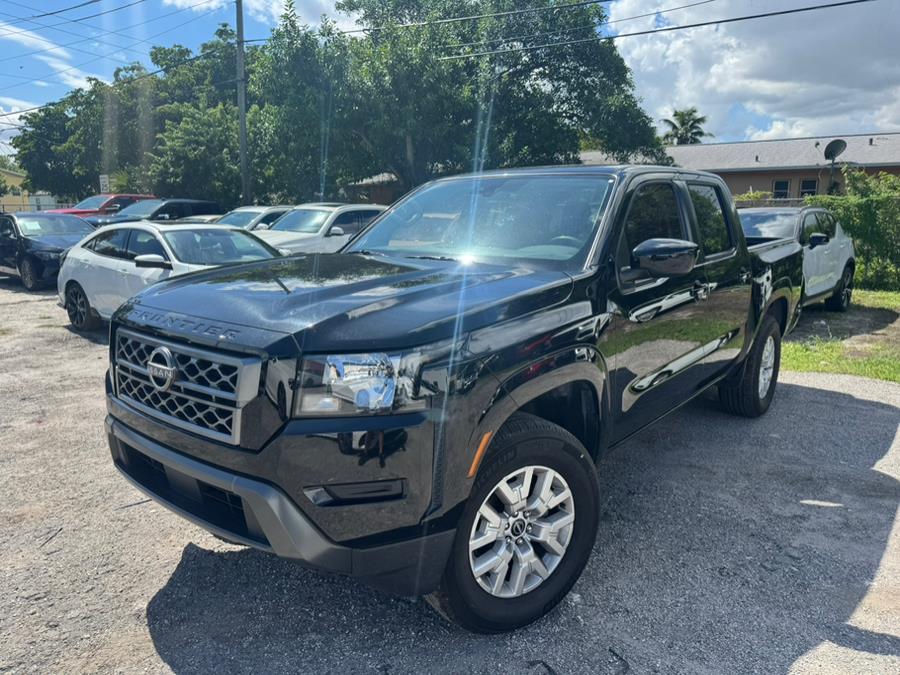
x=118 y=261
x=319 y=228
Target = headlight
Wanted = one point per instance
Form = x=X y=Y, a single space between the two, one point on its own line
x=349 y=384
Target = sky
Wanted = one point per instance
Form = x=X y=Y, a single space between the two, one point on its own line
x=830 y=72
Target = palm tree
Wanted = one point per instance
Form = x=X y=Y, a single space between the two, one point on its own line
x=686 y=128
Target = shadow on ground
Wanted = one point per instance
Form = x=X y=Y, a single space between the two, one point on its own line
x=818 y=322
x=726 y=545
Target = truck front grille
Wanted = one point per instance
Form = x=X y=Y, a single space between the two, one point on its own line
x=206 y=395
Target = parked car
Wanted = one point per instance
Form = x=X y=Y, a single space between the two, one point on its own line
x=102 y=205
x=319 y=228
x=31 y=244
x=253 y=217
x=829 y=259
x=158 y=210
x=425 y=409
x=105 y=269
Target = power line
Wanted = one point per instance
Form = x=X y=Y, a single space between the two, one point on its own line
x=575 y=28
x=58 y=11
x=83 y=18
x=472 y=17
x=666 y=29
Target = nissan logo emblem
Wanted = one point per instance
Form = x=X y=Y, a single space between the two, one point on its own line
x=161 y=368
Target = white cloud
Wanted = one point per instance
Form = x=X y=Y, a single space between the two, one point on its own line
x=830 y=71
x=26 y=38
x=270 y=11
x=67 y=73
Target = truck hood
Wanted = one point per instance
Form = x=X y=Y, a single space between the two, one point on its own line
x=352 y=302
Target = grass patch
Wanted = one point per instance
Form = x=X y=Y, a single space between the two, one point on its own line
x=881 y=362
x=877 y=299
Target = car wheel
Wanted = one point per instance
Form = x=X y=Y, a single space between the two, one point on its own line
x=526 y=532
x=752 y=394
x=81 y=316
x=28 y=273
x=840 y=300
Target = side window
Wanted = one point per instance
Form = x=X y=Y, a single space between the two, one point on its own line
x=7 y=229
x=200 y=209
x=172 y=210
x=348 y=222
x=271 y=217
x=112 y=244
x=119 y=203
x=653 y=214
x=366 y=217
x=712 y=226
x=145 y=243
x=810 y=225
x=781 y=189
x=826 y=224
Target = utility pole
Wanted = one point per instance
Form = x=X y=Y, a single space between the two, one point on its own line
x=246 y=185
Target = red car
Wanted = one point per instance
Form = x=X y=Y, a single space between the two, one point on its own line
x=102 y=205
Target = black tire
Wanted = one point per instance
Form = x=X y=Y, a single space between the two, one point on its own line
x=742 y=396
x=78 y=307
x=525 y=440
x=28 y=273
x=840 y=299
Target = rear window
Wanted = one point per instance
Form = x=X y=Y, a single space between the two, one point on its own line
x=216 y=246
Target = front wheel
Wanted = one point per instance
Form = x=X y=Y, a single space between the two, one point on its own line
x=527 y=530
x=752 y=394
x=28 y=273
x=81 y=316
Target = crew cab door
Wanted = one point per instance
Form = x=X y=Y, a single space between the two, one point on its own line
x=815 y=258
x=661 y=328
x=726 y=264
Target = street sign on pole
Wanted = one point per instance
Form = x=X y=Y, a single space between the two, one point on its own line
x=104 y=182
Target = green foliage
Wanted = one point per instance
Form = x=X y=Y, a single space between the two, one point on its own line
x=8 y=162
x=752 y=196
x=870 y=213
x=4 y=186
x=326 y=109
x=685 y=127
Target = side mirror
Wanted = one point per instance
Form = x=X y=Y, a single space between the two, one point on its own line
x=285 y=251
x=163 y=216
x=335 y=231
x=665 y=257
x=152 y=260
x=818 y=239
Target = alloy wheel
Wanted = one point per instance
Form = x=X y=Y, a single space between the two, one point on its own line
x=76 y=307
x=521 y=531
x=766 y=367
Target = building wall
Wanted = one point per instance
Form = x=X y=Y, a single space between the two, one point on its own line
x=13 y=202
x=741 y=182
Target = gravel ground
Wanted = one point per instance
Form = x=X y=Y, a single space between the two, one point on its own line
x=726 y=545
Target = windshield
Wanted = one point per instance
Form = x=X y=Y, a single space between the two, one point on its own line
x=33 y=225
x=301 y=220
x=216 y=246
x=91 y=203
x=142 y=208
x=238 y=218
x=528 y=217
x=769 y=225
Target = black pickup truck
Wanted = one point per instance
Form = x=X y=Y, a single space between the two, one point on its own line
x=425 y=409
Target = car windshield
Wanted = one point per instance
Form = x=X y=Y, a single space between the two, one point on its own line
x=309 y=221
x=238 y=218
x=33 y=225
x=527 y=217
x=769 y=224
x=91 y=203
x=143 y=208
x=216 y=246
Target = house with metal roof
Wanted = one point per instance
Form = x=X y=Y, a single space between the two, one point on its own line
x=788 y=168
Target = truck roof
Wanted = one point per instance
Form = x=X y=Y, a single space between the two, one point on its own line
x=620 y=170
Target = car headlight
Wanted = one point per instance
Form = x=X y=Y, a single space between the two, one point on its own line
x=350 y=384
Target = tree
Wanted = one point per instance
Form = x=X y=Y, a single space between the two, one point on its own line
x=4 y=186
x=686 y=127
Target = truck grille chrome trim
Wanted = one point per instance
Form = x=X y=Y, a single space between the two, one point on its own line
x=208 y=391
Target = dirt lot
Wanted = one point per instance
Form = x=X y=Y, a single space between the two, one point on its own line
x=726 y=545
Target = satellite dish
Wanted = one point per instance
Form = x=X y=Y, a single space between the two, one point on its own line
x=834 y=149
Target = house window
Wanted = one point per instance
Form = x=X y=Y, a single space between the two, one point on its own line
x=781 y=189
x=809 y=187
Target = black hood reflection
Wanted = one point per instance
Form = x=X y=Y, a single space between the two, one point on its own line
x=352 y=301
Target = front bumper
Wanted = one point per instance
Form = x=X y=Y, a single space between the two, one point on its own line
x=255 y=513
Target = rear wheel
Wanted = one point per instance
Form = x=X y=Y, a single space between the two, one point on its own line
x=28 y=273
x=752 y=394
x=81 y=316
x=840 y=299
x=527 y=530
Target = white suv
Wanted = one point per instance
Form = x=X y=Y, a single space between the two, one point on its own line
x=319 y=228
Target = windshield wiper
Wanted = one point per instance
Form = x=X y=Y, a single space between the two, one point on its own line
x=431 y=257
